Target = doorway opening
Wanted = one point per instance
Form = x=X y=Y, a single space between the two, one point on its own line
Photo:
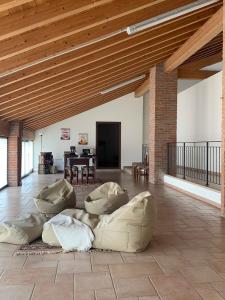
x=108 y=145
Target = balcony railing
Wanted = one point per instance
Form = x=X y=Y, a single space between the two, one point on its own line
x=196 y=161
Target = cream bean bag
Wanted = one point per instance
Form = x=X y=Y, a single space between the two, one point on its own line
x=128 y=229
x=48 y=235
x=106 y=199
x=23 y=230
x=56 y=197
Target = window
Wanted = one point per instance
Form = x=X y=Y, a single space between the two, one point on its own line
x=3 y=162
x=27 y=158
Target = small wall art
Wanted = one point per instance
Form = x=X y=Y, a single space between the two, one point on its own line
x=65 y=134
x=82 y=138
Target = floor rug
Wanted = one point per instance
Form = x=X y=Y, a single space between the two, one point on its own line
x=38 y=247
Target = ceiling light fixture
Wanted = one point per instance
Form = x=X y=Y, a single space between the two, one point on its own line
x=115 y=87
x=168 y=16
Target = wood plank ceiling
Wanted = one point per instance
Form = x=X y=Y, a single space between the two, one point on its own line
x=57 y=56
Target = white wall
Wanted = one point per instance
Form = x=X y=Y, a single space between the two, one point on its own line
x=199 y=111
x=128 y=110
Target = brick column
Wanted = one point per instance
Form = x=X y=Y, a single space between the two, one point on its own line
x=223 y=124
x=162 y=120
x=15 y=153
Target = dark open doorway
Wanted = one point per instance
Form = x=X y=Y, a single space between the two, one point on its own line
x=108 y=145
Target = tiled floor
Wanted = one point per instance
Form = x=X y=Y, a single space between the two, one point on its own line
x=186 y=260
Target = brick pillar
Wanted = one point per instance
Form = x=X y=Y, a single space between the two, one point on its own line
x=223 y=124
x=162 y=120
x=15 y=153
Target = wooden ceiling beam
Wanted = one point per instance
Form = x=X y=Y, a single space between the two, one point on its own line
x=203 y=62
x=9 y=4
x=6 y=102
x=90 y=63
x=42 y=15
x=94 y=88
x=194 y=74
x=205 y=34
x=88 y=25
x=70 y=112
x=79 y=103
x=95 y=69
x=142 y=89
x=94 y=51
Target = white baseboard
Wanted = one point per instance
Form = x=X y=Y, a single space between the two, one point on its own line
x=197 y=191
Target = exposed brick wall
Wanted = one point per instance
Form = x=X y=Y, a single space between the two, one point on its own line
x=15 y=153
x=4 y=129
x=162 y=120
x=223 y=125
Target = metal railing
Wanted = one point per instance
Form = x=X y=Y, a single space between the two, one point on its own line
x=196 y=161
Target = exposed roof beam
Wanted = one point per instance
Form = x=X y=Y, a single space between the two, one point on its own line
x=205 y=34
x=204 y=62
x=39 y=122
x=142 y=89
x=9 y=4
x=194 y=74
x=95 y=68
x=88 y=25
x=105 y=48
x=42 y=15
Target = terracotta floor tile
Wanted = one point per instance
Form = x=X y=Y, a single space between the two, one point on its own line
x=53 y=291
x=40 y=264
x=18 y=276
x=17 y=292
x=94 y=281
x=106 y=258
x=74 y=266
x=134 y=269
x=139 y=259
x=100 y=268
x=85 y=295
x=201 y=274
x=12 y=262
x=174 y=287
x=209 y=294
x=135 y=286
x=105 y=294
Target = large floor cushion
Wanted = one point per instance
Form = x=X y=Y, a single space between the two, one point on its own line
x=48 y=235
x=106 y=199
x=129 y=228
x=23 y=230
x=56 y=197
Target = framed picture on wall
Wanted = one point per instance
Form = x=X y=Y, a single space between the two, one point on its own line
x=82 y=138
x=65 y=134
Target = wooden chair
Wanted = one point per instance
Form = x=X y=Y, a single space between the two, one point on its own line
x=88 y=172
x=70 y=170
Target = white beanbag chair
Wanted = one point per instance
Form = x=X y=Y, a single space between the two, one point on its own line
x=106 y=199
x=22 y=231
x=48 y=234
x=56 y=197
x=128 y=229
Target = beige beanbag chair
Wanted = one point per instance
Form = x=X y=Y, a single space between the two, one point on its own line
x=48 y=235
x=106 y=199
x=56 y=197
x=22 y=231
x=128 y=229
